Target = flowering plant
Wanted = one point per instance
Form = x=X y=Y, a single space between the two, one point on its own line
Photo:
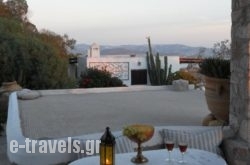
x=86 y=82
x=93 y=77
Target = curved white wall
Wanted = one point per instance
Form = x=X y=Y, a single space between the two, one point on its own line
x=14 y=132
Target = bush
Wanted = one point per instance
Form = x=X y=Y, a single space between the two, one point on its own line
x=35 y=60
x=115 y=82
x=94 y=78
x=185 y=76
x=3 y=111
x=3 y=120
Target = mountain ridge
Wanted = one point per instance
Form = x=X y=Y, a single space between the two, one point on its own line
x=162 y=49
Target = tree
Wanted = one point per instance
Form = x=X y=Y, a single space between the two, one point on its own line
x=201 y=52
x=37 y=60
x=18 y=9
x=69 y=42
x=222 y=49
x=4 y=11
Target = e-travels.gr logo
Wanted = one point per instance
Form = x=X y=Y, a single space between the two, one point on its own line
x=89 y=147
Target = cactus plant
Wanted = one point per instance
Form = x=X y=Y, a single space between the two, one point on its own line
x=157 y=75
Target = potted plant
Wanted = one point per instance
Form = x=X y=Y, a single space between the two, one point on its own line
x=217 y=86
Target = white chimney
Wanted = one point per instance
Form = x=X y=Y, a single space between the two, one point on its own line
x=94 y=51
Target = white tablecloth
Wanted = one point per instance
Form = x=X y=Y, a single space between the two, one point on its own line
x=158 y=157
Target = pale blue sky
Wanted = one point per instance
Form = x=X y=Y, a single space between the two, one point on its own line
x=190 y=22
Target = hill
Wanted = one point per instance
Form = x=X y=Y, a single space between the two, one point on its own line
x=163 y=49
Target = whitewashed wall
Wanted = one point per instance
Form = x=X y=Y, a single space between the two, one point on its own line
x=134 y=63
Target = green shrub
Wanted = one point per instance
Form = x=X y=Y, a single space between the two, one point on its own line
x=34 y=60
x=94 y=78
x=215 y=67
x=3 y=111
x=115 y=82
x=185 y=76
x=3 y=120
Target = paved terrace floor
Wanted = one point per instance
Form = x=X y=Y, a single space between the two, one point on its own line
x=76 y=114
x=66 y=115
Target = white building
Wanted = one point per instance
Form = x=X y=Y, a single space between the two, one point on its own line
x=131 y=69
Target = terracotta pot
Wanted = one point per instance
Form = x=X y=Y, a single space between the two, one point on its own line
x=217 y=92
x=10 y=87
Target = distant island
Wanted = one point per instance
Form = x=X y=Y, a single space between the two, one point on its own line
x=163 y=49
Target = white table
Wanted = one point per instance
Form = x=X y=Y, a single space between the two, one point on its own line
x=158 y=157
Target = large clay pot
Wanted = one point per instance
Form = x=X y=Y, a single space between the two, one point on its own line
x=10 y=87
x=217 y=92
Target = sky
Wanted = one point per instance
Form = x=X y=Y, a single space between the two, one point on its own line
x=118 y=22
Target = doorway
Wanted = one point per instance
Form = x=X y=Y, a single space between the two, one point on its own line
x=139 y=77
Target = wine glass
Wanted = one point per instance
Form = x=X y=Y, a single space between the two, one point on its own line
x=183 y=148
x=170 y=146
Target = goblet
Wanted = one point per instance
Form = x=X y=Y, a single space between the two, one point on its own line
x=170 y=146
x=183 y=148
x=139 y=133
